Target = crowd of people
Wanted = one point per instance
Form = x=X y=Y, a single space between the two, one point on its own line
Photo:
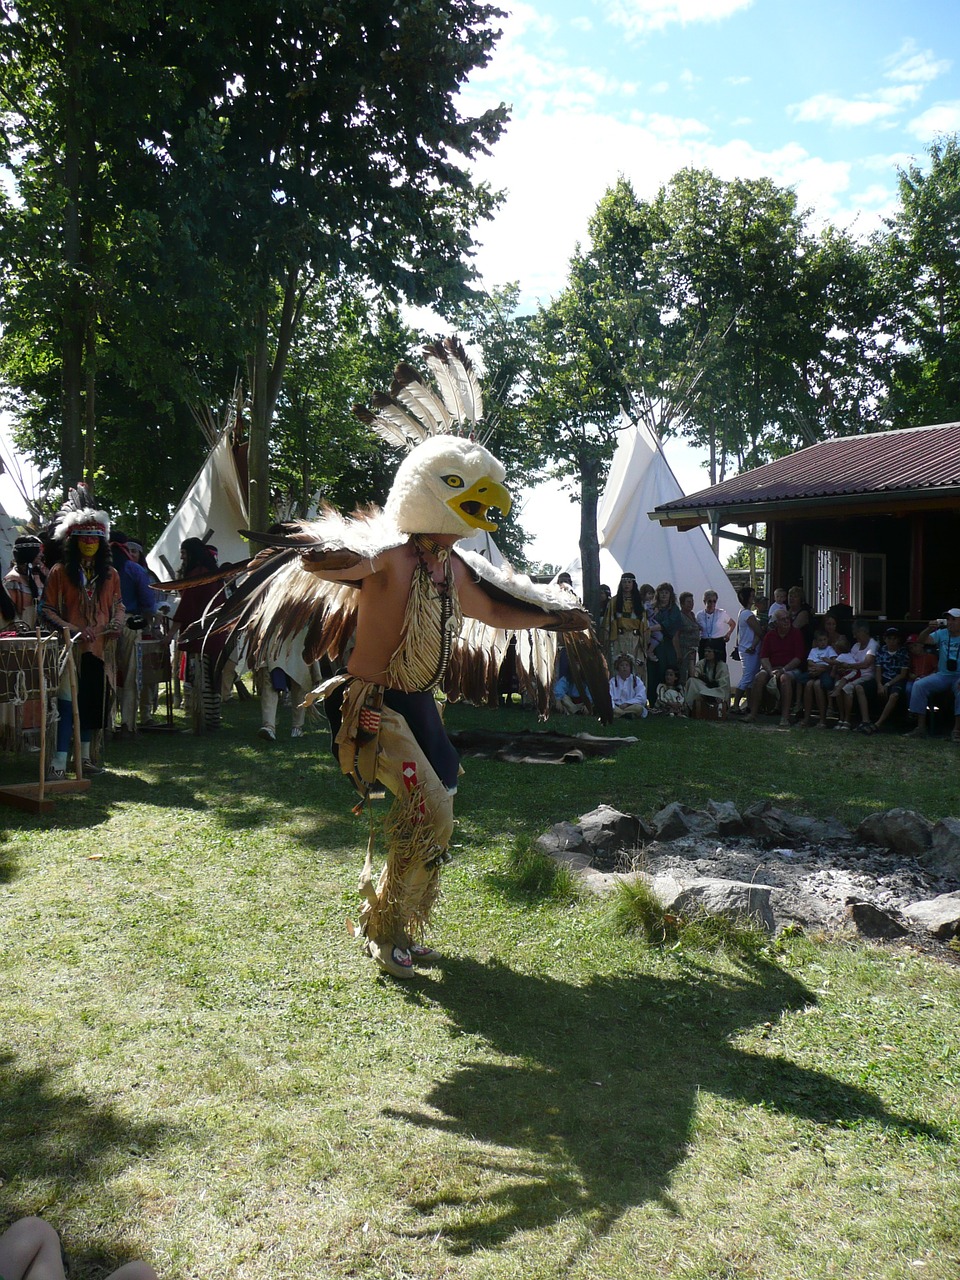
x=669 y=658
x=666 y=656
x=89 y=582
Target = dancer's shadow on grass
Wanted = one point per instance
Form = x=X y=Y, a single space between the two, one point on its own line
x=599 y=1102
x=58 y=1146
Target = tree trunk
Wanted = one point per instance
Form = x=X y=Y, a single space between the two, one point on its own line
x=72 y=308
x=258 y=453
x=266 y=381
x=589 y=541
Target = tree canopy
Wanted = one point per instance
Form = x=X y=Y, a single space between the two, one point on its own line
x=185 y=175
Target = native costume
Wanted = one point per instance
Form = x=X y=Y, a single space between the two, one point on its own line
x=84 y=597
x=389 y=734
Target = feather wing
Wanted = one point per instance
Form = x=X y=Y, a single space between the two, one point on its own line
x=480 y=650
x=281 y=593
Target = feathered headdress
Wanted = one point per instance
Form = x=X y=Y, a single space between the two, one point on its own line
x=79 y=517
x=448 y=481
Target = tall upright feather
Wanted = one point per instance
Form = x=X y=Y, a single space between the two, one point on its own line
x=457 y=380
x=410 y=389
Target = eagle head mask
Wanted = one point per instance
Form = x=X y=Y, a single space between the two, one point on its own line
x=448 y=485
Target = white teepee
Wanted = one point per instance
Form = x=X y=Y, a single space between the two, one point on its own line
x=214 y=509
x=8 y=535
x=640 y=479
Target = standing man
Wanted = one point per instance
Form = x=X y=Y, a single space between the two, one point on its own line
x=140 y=604
x=82 y=595
x=427 y=619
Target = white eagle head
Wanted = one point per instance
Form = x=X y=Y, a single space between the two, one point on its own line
x=447 y=484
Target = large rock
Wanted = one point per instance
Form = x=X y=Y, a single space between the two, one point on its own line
x=678 y=820
x=609 y=831
x=736 y=900
x=901 y=830
x=565 y=842
x=943 y=856
x=767 y=823
x=727 y=817
x=871 y=921
x=939 y=916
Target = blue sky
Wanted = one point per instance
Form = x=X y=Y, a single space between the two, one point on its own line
x=827 y=98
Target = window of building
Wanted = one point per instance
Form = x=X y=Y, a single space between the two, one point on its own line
x=839 y=576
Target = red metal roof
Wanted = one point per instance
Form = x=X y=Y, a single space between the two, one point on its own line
x=916 y=458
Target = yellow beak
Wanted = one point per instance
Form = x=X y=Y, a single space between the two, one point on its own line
x=472 y=505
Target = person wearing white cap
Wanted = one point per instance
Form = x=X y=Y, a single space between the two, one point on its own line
x=945 y=634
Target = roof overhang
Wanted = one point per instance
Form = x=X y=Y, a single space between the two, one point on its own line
x=823 y=506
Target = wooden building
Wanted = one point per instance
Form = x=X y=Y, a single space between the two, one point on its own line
x=872 y=521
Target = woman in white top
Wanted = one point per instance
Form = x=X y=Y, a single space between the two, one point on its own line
x=749 y=639
x=716 y=625
x=862 y=679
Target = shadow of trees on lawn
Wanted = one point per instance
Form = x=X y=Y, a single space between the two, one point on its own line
x=599 y=1104
x=57 y=1145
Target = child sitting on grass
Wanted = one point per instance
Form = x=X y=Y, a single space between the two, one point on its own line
x=670 y=695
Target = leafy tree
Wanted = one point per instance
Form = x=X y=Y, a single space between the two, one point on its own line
x=725 y=319
x=573 y=408
x=918 y=261
x=181 y=167
x=500 y=338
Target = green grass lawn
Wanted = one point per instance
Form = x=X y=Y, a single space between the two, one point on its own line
x=199 y=1066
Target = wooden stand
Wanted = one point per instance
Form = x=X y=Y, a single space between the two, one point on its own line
x=34 y=797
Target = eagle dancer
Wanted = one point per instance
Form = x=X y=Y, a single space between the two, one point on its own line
x=427 y=616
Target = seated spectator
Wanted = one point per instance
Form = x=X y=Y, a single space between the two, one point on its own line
x=716 y=625
x=778 y=606
x=945 y=634
x=861 y=681
x=781 y=657
x=817 y=681
x=710 y=680
x=841 y=668
x=922 y=662
x=569 y=700
x=670 y=695
x=30 y=1250
x=749 y=639
x=627 y=691
x=893 y=670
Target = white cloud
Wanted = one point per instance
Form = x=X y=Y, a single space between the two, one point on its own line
x=736 y=81
x=582 y=23
x=640 y=16
x=662 y=86
x=942 y=118
x=555 y=170
x=883 y=105
x=915 y=65
x=667 y=127
x=532 y=74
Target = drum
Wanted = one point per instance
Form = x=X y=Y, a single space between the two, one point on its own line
x=155 y=656
x=19 y=669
